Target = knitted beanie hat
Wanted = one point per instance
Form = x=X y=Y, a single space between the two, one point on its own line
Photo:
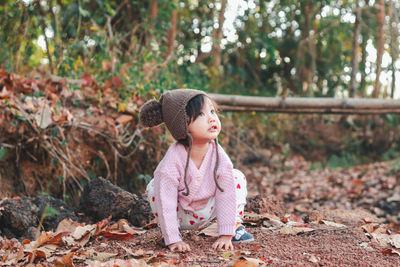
x=171 y=109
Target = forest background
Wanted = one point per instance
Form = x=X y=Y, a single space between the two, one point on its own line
x=88 y=65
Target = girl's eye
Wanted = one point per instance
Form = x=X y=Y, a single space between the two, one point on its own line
x=201 y=114
x=212 y=111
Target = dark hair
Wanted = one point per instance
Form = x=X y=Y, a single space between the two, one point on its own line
x=193 y=110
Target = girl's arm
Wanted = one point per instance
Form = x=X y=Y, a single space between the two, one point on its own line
x=225 y=202
x=166 y=201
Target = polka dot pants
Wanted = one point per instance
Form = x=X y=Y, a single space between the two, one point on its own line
x=193 y=220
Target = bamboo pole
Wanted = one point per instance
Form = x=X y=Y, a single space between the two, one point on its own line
x=306 y=105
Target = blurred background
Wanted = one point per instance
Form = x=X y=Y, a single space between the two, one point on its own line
x=271 y=48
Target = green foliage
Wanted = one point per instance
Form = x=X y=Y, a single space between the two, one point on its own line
x=47 y=212
x=3 y=153
x=282 y=47
x=344 y=160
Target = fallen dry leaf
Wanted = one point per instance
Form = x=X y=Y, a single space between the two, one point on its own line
x=66 y=260
x=124 y=119
x=137 y=253
x=288 y=230
x=43 y=117
x=211 y=230
x=245 y=263
x=67 y=225
x=120 y=263
x=395 y=240
x=117 y=235
x=91 y=253
x=329 y=223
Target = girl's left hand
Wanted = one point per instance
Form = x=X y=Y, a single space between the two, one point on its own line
x=223 y=242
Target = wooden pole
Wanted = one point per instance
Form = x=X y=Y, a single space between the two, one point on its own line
x=306 y=105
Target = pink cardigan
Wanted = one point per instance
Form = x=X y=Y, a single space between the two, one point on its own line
x=169 y=186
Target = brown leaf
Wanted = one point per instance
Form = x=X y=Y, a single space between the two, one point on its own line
x=67 y=225
x=88 y=80
x=244 y=263
x=287 y=230
x=114 y=84
x=211 y=230
x=4 y=94
x=66 y=260
x=100 y=226
x=390 y=252
x=118 y=235
x=329 y=223
x=124 y=119
x=43 y=238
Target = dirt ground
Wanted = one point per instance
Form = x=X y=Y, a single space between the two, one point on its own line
x=322 y=247
x=325 y=233
x=299 y=217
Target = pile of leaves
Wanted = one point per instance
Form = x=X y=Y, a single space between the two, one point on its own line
x=373 y=187
x=66 y=244
x=78 y=129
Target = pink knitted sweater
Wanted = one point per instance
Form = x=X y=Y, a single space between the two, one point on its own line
x=169 y=186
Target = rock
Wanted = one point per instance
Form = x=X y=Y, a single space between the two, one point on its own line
x=17 y=215
x=58 y=211
x=20 y=217
x=101 y=198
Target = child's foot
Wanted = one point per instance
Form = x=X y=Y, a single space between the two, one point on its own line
x=241 y=235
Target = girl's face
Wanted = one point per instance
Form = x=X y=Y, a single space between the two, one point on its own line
x=206 y=126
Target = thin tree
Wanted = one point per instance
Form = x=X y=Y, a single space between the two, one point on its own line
x=394 y=44
x=381 y=42
x=171 y=34
x=218 y=36
x=354 y=56
x=153 y=12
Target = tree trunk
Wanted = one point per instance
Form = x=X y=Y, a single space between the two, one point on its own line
x=381 y=42
x=171 y=35
x=153 y=9
x=153 y=12
x=362 y=66
x=306 y=49
x=354 y=56
x=218 y=37
x=394 y=33
x=42 y=25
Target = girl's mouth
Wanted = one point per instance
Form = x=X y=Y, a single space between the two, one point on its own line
x=213 y=128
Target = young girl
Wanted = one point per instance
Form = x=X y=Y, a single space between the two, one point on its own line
x=195 y=181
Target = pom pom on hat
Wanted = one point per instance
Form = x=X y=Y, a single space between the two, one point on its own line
x=151 y=113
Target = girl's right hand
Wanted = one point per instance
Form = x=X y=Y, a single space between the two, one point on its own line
x=179 y=246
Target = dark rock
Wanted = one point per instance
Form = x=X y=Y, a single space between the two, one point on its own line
x=58 y=211
x=140 y=212
x=101 y=198
x=17 y=215
x=20 y=217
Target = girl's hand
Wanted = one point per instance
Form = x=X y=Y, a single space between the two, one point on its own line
x=179 y=246
x=223 y=242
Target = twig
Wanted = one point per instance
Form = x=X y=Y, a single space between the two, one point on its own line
x=101 y=155
x=115 y=165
